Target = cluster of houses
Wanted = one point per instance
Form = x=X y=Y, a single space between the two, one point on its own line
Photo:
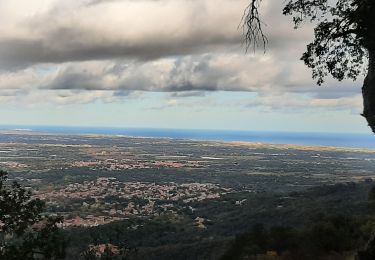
x=131 y=199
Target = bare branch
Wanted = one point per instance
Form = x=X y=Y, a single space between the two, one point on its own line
x=252 y=27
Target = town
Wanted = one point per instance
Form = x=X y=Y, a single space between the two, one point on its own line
x=129 y=199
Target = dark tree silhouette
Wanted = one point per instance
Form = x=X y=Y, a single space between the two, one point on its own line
x=25 y=233
x=344 y=44
x=108 y=251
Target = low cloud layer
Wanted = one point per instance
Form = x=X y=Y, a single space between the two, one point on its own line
x=74 y=30
x=104 y=50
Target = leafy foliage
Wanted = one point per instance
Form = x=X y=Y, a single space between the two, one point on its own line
x=323 y=236
x=107 y=251
x=341 y=36
x=344 y=33
x=24 y=232
x=371 y=194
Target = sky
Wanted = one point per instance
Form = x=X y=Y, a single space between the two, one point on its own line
x=163 y=64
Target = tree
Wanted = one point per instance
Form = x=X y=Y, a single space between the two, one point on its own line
x=107 y=251
x=25 y=233
x=344 y=43
x=371 y=194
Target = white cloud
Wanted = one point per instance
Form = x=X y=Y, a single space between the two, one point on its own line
x=299 y=103
x=93 y=50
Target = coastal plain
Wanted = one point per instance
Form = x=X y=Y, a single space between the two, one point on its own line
x=181 y=190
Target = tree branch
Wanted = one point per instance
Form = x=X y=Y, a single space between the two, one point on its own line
x=252 y=27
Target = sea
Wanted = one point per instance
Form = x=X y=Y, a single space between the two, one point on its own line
x=353 y=140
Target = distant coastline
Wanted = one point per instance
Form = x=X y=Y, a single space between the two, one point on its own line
x=293 y=138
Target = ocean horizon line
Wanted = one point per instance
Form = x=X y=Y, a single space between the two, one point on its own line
x=352 y=140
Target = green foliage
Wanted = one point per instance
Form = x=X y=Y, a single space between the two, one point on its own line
x=344 y=33
x=24 y=232
x=371 y=194
x=371 y=200
x=168 y=237
x=337 y=233
x=322 y=236
x=17 y=211
x=110 y=252
x=249 y=244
